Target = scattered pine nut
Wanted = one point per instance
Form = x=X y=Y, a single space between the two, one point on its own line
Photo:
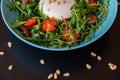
x=2 y=53
x=66 y=74
x=50 y=76
x=10 y=67
x=9 y=44
x=58 y=71
x=112 y=66
x=99 y=58
x=88 y=66
x=55 y=76
x=42 y=61
x=93 y=54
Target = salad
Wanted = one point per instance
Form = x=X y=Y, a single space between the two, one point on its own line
x=35 y=26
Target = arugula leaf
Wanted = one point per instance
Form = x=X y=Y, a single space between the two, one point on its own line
x=79 y=21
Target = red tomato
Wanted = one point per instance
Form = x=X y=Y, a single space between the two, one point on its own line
x=66 y=35
x=30 y=22
x=25 y=31
x=93 y=18
x=49 y=25
x=92 y=3
x=25 y=1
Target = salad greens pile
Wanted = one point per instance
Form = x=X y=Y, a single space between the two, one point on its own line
x=85 y=20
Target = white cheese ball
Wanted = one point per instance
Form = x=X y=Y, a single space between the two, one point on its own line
x=58 y=9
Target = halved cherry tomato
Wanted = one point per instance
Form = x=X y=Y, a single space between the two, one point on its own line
x=93 y=18
x=30 y=22
x=66 y=35
x=25 y=31
x=49 y=25
x=25 y=1
x=92 y=3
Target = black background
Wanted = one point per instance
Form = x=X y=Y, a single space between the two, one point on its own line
x=25 y=59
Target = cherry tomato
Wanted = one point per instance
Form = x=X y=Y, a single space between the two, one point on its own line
x=30 y=22
x=92 y=3
x=25 y=31
x=93 y=18
x=25 y=1
x=49 y=25
x=66 y=35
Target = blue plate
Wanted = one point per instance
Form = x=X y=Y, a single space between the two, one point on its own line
x=10 y=16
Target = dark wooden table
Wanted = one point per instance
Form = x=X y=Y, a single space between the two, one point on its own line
x=26 y=66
